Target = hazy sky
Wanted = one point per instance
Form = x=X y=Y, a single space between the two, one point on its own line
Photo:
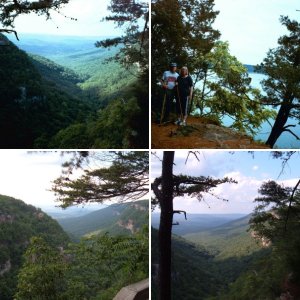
x=88 y=12
x=253 y=27
x=28 y=176
x=249 y=172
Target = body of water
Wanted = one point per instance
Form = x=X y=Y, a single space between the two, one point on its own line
x=286 y=140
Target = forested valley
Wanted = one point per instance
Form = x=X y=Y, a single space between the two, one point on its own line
x=80 y=92
x=207 y=262
x=91 y=256
x=47 y=105
x=39 y=261
x=226 y=256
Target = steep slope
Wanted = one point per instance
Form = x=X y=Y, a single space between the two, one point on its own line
x=228 y=240
x=18 y=223
x=194 y=274
x=205 y=264
x=32 y=109
x=125 y=218
x=63 y=78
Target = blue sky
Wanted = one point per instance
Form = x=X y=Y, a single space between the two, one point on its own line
x=250 y=172
x=252 y=27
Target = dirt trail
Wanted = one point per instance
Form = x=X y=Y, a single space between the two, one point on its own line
x=200 y=133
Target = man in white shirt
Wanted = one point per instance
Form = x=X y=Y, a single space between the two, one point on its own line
x=169 y=83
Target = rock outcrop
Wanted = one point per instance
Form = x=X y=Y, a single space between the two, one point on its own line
x=199 y=133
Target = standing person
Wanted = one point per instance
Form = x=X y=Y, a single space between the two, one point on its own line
x=184 y=84
x=168 y=82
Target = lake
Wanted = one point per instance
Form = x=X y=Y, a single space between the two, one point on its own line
x=286 y=140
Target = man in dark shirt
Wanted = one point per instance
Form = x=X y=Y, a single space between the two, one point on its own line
x=184 y=84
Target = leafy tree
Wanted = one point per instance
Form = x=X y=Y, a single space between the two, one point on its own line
x=102 y=265
x=226 y=91
x=181 y=31
x=166 y=188
x=42 y=275
x=275 y=223
x=134 y=55
x=113 y=127
x=276 y=219
x=96 y=268
x=167 y=35
x=282 y=68
x=126 y=178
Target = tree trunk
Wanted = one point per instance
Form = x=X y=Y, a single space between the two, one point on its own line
x=165 y=226
x=278 y=127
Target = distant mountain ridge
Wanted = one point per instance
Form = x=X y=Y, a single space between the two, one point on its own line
x=124 y=218
x=227 y=240
x=196 y=222
x=70 y=212
x=252 y=69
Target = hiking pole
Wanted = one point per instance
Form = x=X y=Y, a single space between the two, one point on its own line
x=186 y=108
x=163 y=108
x=179 y=103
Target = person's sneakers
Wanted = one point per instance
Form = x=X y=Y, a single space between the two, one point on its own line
x=183 y=123
x=178 y=122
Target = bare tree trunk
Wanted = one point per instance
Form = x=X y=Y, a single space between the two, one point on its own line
x=165 y=227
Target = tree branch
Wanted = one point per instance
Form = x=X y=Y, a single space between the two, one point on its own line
x=292 y=133
x=10 y=31
x=180 y=212
x=290 y=204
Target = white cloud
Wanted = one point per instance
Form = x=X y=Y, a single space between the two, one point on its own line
x=220 y=164
x=289 y=182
